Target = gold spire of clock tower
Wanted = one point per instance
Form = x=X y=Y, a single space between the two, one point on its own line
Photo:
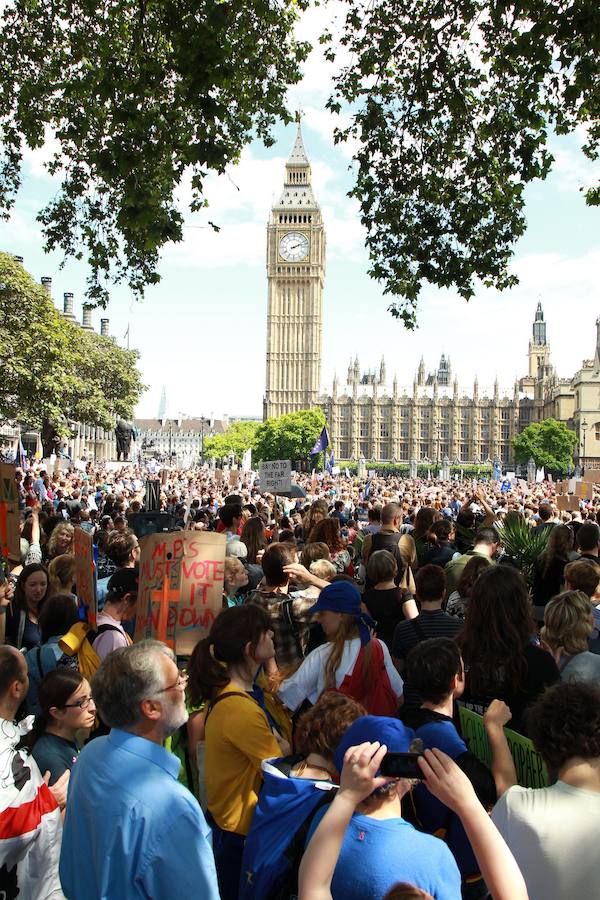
x=295 y=274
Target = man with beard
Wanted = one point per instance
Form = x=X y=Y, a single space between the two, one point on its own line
x=131 y=830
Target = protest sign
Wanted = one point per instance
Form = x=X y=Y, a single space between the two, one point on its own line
x=201 y=593
x=567 y=501
x=233 y=477
x=584 y=490
x=85 y=573
x=531 y=771
x=181 y=587
x=276 y=476
x=10 y=544
x=219 y=476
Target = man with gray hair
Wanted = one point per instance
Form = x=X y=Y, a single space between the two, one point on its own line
x=131 y=829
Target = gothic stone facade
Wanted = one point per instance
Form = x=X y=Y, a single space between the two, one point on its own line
x=367 y=417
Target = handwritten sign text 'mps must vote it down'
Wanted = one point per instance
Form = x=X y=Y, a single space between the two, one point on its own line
x=181 y=587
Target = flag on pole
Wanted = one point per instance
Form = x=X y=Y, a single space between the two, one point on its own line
x=21 y=455
x=322 y=442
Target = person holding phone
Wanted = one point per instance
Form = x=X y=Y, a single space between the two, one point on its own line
x=380 y=848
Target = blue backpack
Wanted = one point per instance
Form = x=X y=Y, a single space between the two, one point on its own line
x=276 y=840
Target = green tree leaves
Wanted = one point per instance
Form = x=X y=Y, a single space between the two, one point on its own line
x=550 y=443
x=288 y=437
x=451 y=104
x=53 y=371
x=136 y=94
x=238 y=438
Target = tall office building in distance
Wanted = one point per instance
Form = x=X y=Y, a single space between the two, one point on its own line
x=295 y=274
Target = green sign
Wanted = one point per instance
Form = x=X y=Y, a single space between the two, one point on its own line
x=531 y=771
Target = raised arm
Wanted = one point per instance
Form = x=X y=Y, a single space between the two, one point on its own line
x=449 y=784
x=358 y=780
x=503 y=766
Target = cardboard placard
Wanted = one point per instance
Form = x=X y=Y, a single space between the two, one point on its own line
x=567 y=502
x=85 y=573
x=201 y=594
x=181 y=587
x=10 y=535
x=584 y=490
x=233 y=477
x=592 y=475
x=276 y=476
x=531 y=770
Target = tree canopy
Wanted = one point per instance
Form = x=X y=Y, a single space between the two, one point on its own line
x=549 y=443
x=288 y=437
x=54 y=371
x=452 y=104
x=238 y=438
x=137 y=95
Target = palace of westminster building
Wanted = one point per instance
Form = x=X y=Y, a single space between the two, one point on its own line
x=366 y=416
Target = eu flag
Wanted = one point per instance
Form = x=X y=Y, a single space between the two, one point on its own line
x=322 y=443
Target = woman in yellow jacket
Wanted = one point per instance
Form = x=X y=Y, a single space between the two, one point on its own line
x=239 y=731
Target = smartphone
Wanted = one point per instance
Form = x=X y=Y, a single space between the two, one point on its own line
x=401 y=765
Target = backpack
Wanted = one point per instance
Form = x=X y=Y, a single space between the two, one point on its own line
x=376 y=695
x=277 y=837
x=79 y=641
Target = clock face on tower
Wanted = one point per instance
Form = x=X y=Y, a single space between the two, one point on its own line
x=293 y=246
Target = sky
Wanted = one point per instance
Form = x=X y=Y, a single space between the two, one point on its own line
x=201 y=332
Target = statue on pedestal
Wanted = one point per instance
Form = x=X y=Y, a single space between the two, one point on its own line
x=124 y=433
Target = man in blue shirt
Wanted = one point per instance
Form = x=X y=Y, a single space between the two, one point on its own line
x=131 y=829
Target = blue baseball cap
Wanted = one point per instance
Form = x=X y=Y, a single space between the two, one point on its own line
x=391 y=732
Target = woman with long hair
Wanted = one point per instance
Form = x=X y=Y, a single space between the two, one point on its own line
x=549 y=574
x=500 y=655
x=568 y=623
x=61 y=574
x=60 y=540
x=253 y=536
x=316 y=513
x=351 y=660
x=239 y=732
x=56 y=619
x=67 y=707
x=458 y=599
x=327 y=531
x=22 y=616
x=387 y=603
x=424 y=519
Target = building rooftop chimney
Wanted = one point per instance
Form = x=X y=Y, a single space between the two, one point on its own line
x=104 y=327
x=47 y=283
x=68 y=306
x=86 y=321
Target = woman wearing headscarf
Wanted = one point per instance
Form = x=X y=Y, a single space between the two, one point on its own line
x=352 y=661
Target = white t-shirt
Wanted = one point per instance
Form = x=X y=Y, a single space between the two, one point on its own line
x=553 y=834
x=309 y=681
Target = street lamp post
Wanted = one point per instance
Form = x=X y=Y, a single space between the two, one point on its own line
x=584 y=428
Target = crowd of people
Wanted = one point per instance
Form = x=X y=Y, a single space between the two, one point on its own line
x=311 y=745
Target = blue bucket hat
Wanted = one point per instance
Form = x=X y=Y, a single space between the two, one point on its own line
x=391 y=732
x=344 y=597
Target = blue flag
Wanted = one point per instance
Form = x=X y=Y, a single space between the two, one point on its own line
x=322 y=443
x=330 y=463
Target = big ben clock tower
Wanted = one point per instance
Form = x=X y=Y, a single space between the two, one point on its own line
x=295 y=273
